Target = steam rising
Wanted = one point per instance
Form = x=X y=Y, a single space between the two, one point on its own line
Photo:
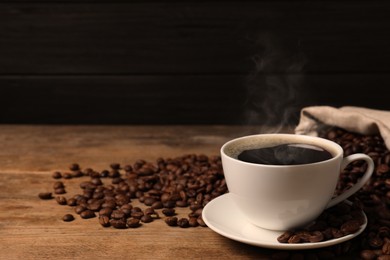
x=274 y=86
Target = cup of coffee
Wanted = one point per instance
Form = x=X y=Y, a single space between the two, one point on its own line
x=284 y=181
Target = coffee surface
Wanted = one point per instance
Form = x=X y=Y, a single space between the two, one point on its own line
x=285 y=154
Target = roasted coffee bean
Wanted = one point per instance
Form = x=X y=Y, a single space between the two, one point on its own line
x=171 y=221
x=106 y=211
x=87 y=214
x=118 y=223
x=118 y=214
x=72 y=202
x=61 y=200
x=133 y=223
x=149 y=201
x=201 y=221
x=95 y=206
x=109 y=204
x=169 y=212
x=316 y=236
x=375 y=242
x=45 y=195
x=104 y=220
x=193 y=222
x=386 y=246
x=169 y=204
x=137 y=214
x=67 y=175
x=181 y=203
x=283 y=238
x=68 y=217
x=183 y=222
x=149 y=211
x=146 y=218
x=96 y=181
x=114 y=174
x=56 y=175
x=294 y=239
x=350 y=227
x=157 y=205
x=58 y=184
x=78 y=209
x=115 y=166
x=59 y=191
x=74 y=167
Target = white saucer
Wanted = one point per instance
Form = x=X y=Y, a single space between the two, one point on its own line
x=222 y=216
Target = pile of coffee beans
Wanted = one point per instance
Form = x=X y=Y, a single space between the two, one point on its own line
x=189 y=181
x=338 y=221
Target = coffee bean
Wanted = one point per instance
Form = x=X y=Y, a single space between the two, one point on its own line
x=58 y=184
x=316 y=236
x=137 y=214
x=386 y=246
x=146 y=219
x=283 y=238
x=157 y=205
x=104 y=220
x=87 y=214
x=201 y=221
x=61 y=200
x=45 y=195
x=96 y=181
x=294 y=239
x=133 y=223
x=68 y=217
x=193 y=222
x=171 y=221
x=181 y=203
x=375 y=242
x=72 y=202
x=117 y=214
x=149 y=201
x=56 y=175
x=118 y=223
x=95 y=206
x=67 y=175
x=59 y=191
x=350 y=227
x=106 y=211
x=74 y=167
x=115 y=166
x=169 y=211
x=183 y=222
x=78 y=209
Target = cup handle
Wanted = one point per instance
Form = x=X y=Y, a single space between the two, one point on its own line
x=347 y=160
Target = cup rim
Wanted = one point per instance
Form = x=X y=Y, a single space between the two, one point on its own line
x=335 y=145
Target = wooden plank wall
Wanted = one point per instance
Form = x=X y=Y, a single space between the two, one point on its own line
x=189 y=62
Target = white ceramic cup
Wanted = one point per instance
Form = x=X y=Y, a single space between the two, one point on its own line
x=281 y=197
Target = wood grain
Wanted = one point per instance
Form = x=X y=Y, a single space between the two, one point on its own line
x=181 y=99
x=190 y=37
x=31 y=228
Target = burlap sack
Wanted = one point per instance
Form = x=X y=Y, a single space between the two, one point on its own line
x=354 y=119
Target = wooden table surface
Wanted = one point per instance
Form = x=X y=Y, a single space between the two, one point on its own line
x=31 y=228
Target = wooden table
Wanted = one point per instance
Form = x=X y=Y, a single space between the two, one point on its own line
x=31 y=228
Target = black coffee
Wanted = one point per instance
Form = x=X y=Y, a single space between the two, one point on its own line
x=285 y=154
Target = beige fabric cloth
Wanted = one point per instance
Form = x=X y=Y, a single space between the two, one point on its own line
x=354 y=119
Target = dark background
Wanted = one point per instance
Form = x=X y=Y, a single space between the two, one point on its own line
x=189 y=62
